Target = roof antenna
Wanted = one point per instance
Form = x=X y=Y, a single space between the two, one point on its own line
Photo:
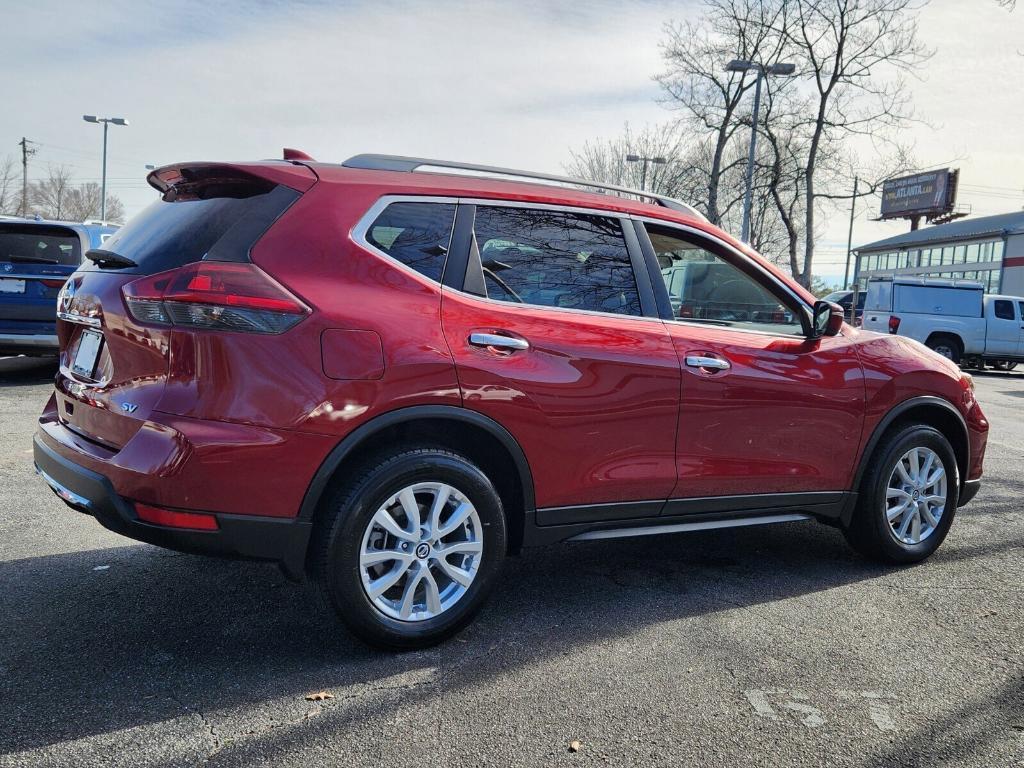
x=297 y=154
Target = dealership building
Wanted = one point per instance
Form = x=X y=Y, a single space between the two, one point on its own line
x=989 y=249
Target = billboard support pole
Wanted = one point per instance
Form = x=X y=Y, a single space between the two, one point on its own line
x=849 y=237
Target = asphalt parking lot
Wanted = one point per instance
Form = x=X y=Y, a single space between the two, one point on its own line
x=761 y=646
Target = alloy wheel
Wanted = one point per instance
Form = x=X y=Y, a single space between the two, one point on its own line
x=915 y=497
x=421 y=552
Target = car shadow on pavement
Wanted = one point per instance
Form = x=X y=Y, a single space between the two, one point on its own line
x=20 y=371
x=108 y=639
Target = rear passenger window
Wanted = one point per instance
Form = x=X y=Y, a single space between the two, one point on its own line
x=556 y=259
x=416 y=234
x=1004 y=309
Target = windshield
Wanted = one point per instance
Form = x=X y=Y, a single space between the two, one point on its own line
x=39 y=244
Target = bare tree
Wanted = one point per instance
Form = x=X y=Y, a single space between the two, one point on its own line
x=697 y=84
x=605 y=160
x=49 y=197
x=84 y=203
x=58 y=197
x=10 y=189
x=854 y=54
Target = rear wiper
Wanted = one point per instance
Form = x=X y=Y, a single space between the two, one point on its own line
x=33 y=259
x=109 y=259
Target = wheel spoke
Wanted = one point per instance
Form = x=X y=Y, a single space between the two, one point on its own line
x=457 y=518
x=935 y=477
x=929 y=459
x=460 y=548
x=914 y=459
x=378 y=556
x=409 y=595
x=898 y=510
x=908 y=516
x=902 y=470
x=432 y=593
x=412 y=509
x=456 y=574
x=915 y=527
x=379 y=586
x=927 y=513
x=440 y=500
x=384 y=519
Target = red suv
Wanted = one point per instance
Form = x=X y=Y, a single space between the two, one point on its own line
x=390 y=379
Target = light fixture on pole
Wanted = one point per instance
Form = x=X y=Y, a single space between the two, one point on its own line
x=645 y=161
x=106 y=122
x=741 y=65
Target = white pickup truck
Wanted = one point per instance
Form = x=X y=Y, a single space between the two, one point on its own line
x=954 y=317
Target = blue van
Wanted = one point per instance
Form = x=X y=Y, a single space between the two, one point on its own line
x=36 y=257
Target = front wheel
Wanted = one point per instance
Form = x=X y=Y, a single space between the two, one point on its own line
x=908 y=497
x=406 y=552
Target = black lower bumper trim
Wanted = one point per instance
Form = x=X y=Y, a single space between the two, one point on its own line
x=969 y=491
x=239 y=536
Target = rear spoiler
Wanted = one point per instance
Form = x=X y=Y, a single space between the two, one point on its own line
x=206 y=179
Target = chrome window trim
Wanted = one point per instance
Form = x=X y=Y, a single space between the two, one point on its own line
x=359 y=231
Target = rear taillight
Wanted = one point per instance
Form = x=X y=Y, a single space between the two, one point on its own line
x=214 y=295
x=894 y=324
x=54 y=283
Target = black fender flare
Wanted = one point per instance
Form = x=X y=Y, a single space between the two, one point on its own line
x=356 y=437
x=887 y=421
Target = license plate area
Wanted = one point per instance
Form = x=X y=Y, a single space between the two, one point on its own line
x=9 y=285
x=87 y=354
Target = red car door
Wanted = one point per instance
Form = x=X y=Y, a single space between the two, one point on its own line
x=764 y=410
x=554 y=340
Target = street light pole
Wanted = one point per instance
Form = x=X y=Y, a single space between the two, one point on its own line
x=106 y=124
x=741 y=65
x=748 y=197
x=643 y=172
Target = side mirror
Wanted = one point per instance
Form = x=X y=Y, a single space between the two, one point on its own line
x=826 y=320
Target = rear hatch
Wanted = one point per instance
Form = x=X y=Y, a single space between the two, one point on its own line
x=180 y=266
x=35 y=260
x=878 y=306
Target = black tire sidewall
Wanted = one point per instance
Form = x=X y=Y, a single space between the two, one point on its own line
x=875 y=493
x=342 y=579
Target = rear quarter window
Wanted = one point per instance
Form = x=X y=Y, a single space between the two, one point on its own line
x=416 y=234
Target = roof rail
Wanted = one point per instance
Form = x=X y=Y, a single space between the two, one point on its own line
x=409 y=164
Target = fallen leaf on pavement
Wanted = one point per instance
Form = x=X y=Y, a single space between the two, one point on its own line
x=321 y=696
x=574 y=746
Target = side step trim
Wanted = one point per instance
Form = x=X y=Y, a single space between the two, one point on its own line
x=651 y=530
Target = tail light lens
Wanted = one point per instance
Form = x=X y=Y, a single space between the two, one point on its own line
x=197 y=521
x=51 y=283
x=894 y=324
x=225 y=296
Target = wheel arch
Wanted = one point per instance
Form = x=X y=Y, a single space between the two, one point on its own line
x=478 y=437
x=926 y=409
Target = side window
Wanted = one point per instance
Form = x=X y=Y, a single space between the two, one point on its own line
x=556 y=259
x=417 y=234
x=705 y=288
x=1020 y=306
x=1004 y=309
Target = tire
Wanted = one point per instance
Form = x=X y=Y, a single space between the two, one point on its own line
x=1004 y=365
x=870 y=531
x=946 y=345
x=348 y=531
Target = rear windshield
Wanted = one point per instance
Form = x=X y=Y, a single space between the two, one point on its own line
x=39 y=244
x=169 y=234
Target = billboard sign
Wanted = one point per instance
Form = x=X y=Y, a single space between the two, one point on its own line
x=922 y=194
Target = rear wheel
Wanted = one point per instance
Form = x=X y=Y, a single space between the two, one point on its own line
x=1004 y=365
x=947 y=346
x=908 y=497
x=406 y=552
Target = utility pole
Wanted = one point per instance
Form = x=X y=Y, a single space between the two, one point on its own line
x=849 y=237
x=106 y=124
x=25 y=152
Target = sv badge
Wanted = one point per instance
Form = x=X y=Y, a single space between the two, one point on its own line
x=129 y=407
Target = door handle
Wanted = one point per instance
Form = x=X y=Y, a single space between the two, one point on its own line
x=703 y=361
x=497 y=341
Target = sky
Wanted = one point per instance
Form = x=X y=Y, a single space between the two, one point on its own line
x=516 y=84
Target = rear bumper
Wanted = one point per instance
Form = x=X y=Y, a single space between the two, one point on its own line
x=239 y=536
x=29 y=343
